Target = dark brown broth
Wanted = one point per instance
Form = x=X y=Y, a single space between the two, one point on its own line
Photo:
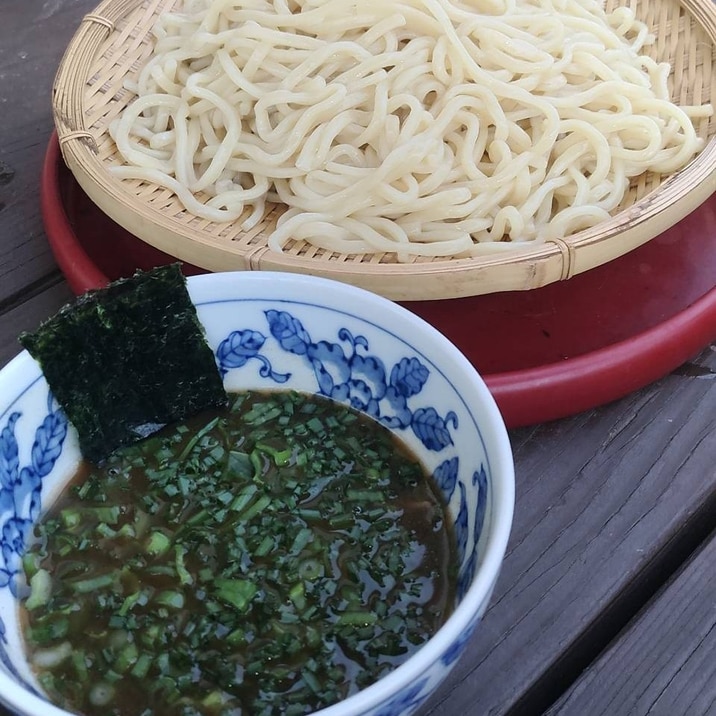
x=337 y=564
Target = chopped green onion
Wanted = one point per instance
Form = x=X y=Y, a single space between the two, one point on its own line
x=185 y=577
x=357 y=618
x=237 y=592
x=93 y=584
x=248 y=549
x=142 y=665
x=157 y=544
x=126 y=658
x=40 y=590
x=170 y=598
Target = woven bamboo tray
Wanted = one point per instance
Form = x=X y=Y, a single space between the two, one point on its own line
x=112 y=43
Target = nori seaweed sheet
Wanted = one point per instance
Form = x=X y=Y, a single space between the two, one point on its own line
x=124 y=360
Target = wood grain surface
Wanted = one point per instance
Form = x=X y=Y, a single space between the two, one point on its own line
x=33 y=36
x=678 y=627
x=605 y=604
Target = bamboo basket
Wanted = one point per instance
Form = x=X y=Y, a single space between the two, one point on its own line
x=112 y=43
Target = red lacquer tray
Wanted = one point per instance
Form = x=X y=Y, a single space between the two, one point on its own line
x=545 y=353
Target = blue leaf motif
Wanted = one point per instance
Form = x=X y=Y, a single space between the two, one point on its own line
x=48 y=443
x=371 y=371
x=445 y=476
x=13 y=536
x=35 y=506
x=346 y=373
x=8 y=452
x=7 y=500
x=409 y=376
x=9 y=531
x=467 y=574
x=479 y=478
x=330 y=365
x=241 y=346
x=432 y=429
x=408 y=699
x=455 y=650
x=340 y=393
x=402 y=416
x=266 y=371
x=461 y=525
x=14 y=532
x=237 y=348
x=27 y=493
x=21 y=489
x=326 y=384
x=345 y=335
x=288 y=331
x=361 y=397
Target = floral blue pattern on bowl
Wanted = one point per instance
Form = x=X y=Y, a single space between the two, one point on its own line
x=275 y=331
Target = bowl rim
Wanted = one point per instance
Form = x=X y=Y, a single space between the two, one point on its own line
x=498 y=450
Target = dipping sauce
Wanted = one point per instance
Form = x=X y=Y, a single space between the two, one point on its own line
x=270 y=558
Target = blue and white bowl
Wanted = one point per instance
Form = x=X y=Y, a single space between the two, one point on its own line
x=271 y=330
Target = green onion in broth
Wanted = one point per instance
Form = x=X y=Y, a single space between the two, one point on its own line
x=274 y=557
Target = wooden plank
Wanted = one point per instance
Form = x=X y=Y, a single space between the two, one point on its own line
x=608 y=503
x=28 y=314
x=665 y=663
x=33 y=37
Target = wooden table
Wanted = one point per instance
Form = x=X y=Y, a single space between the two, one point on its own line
x=607 y=599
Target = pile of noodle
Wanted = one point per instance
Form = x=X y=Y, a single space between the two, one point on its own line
x=417 y=127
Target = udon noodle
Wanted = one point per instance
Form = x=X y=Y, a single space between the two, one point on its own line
x=416 y=127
